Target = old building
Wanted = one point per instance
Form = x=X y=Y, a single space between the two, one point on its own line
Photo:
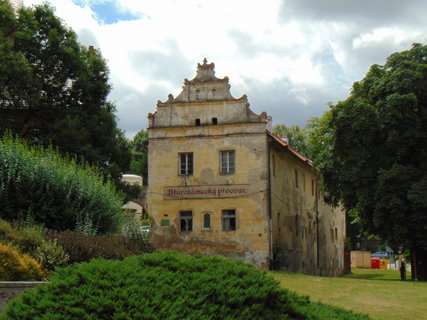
x=221 y=183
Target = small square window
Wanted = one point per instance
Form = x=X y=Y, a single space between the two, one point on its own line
x=197 y=122
x=227 y=162
x=214 y=120
x=185 y=164
x=186 y=221
x=229 y=220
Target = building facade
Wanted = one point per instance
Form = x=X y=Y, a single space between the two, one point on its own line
x=218 y=183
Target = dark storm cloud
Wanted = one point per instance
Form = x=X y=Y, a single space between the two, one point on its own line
x=363 y=12
x=135 y=106
x=172 y=66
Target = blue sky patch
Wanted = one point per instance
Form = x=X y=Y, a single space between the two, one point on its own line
x=107 y=12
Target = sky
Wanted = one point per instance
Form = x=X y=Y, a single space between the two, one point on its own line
x=291 y=57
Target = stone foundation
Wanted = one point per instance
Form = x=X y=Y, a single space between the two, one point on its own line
x=11 y=289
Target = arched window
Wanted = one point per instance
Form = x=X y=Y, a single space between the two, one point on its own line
x=206 y=220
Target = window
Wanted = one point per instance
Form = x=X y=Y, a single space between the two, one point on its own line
x=229 y=220
x=227 y=162
x=206 y=220
x=273 y=160
x=197 y=122
x=185 y=164
x=186 y=221
x=215 y=121
x=296 y=178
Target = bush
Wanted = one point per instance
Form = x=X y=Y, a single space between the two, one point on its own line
x=31 y=241
x=56 y=191
x=163 y=286
x=81 y=247
x=15 y=266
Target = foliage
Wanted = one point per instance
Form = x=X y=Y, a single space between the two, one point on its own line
x=31 y=240
x=296 y=137
x=138 y=146
x=15 y=266
x=375 y=160
x=54 y=91
x=81 y=247
x=165 y=286
x=55 y=190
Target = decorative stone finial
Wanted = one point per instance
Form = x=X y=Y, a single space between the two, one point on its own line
x=205 y=71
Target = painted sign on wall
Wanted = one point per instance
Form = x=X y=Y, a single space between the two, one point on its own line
x=205 y=192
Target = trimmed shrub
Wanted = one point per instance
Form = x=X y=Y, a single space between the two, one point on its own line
x=163 y=286
x=56 y=191
x=81 y=247
x=31 y=241
x=15 y=266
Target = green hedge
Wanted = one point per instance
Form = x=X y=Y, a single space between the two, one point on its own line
x=54 y=190
x=166 y=286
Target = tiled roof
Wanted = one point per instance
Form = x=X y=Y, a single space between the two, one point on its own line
x=286 y=146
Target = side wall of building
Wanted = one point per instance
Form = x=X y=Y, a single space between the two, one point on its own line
x=308 y=235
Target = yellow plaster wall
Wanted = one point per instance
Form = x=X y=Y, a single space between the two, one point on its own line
x=294 y=220
x=250 y=240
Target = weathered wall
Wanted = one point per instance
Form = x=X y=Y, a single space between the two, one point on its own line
x=249 y=241
x=205 y=119
x=302 y=240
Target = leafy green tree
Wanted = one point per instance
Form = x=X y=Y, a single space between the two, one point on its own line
x=295 y=135
x=375 y=156
x=138 y=163
x=54 y=91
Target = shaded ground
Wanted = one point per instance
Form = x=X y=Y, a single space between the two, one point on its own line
x=378 y=293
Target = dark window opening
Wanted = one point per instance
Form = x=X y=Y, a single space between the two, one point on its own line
x=214 y=121
x=206 y=221
x=296 y=179
x=229 y=220
x=197 y=122
x=185 y=164
x=186 y=221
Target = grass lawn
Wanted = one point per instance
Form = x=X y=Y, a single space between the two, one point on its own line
x=378 y=293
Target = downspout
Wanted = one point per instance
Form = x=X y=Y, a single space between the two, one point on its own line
x=316 y=208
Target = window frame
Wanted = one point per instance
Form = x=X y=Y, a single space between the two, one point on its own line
x=206 y=214
x=227 y=169
x=225 y=214
x=186 y=171
x=188 y=219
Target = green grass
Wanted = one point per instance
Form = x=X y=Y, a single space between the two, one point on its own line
x=378 y=293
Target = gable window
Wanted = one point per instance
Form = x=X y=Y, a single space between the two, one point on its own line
x=229 y=220
x=206 y=220
x=185 y=164
x=186 y=221
x=227 y=162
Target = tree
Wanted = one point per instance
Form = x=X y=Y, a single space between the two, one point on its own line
x=296 y=137
x=54 y=91
x=375 y=152
x=138 y=146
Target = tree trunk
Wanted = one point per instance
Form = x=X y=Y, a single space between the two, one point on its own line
x=419 y=264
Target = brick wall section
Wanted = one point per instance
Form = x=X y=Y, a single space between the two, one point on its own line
x=11 y=289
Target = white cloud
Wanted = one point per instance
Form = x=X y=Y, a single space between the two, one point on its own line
x=283 y=54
